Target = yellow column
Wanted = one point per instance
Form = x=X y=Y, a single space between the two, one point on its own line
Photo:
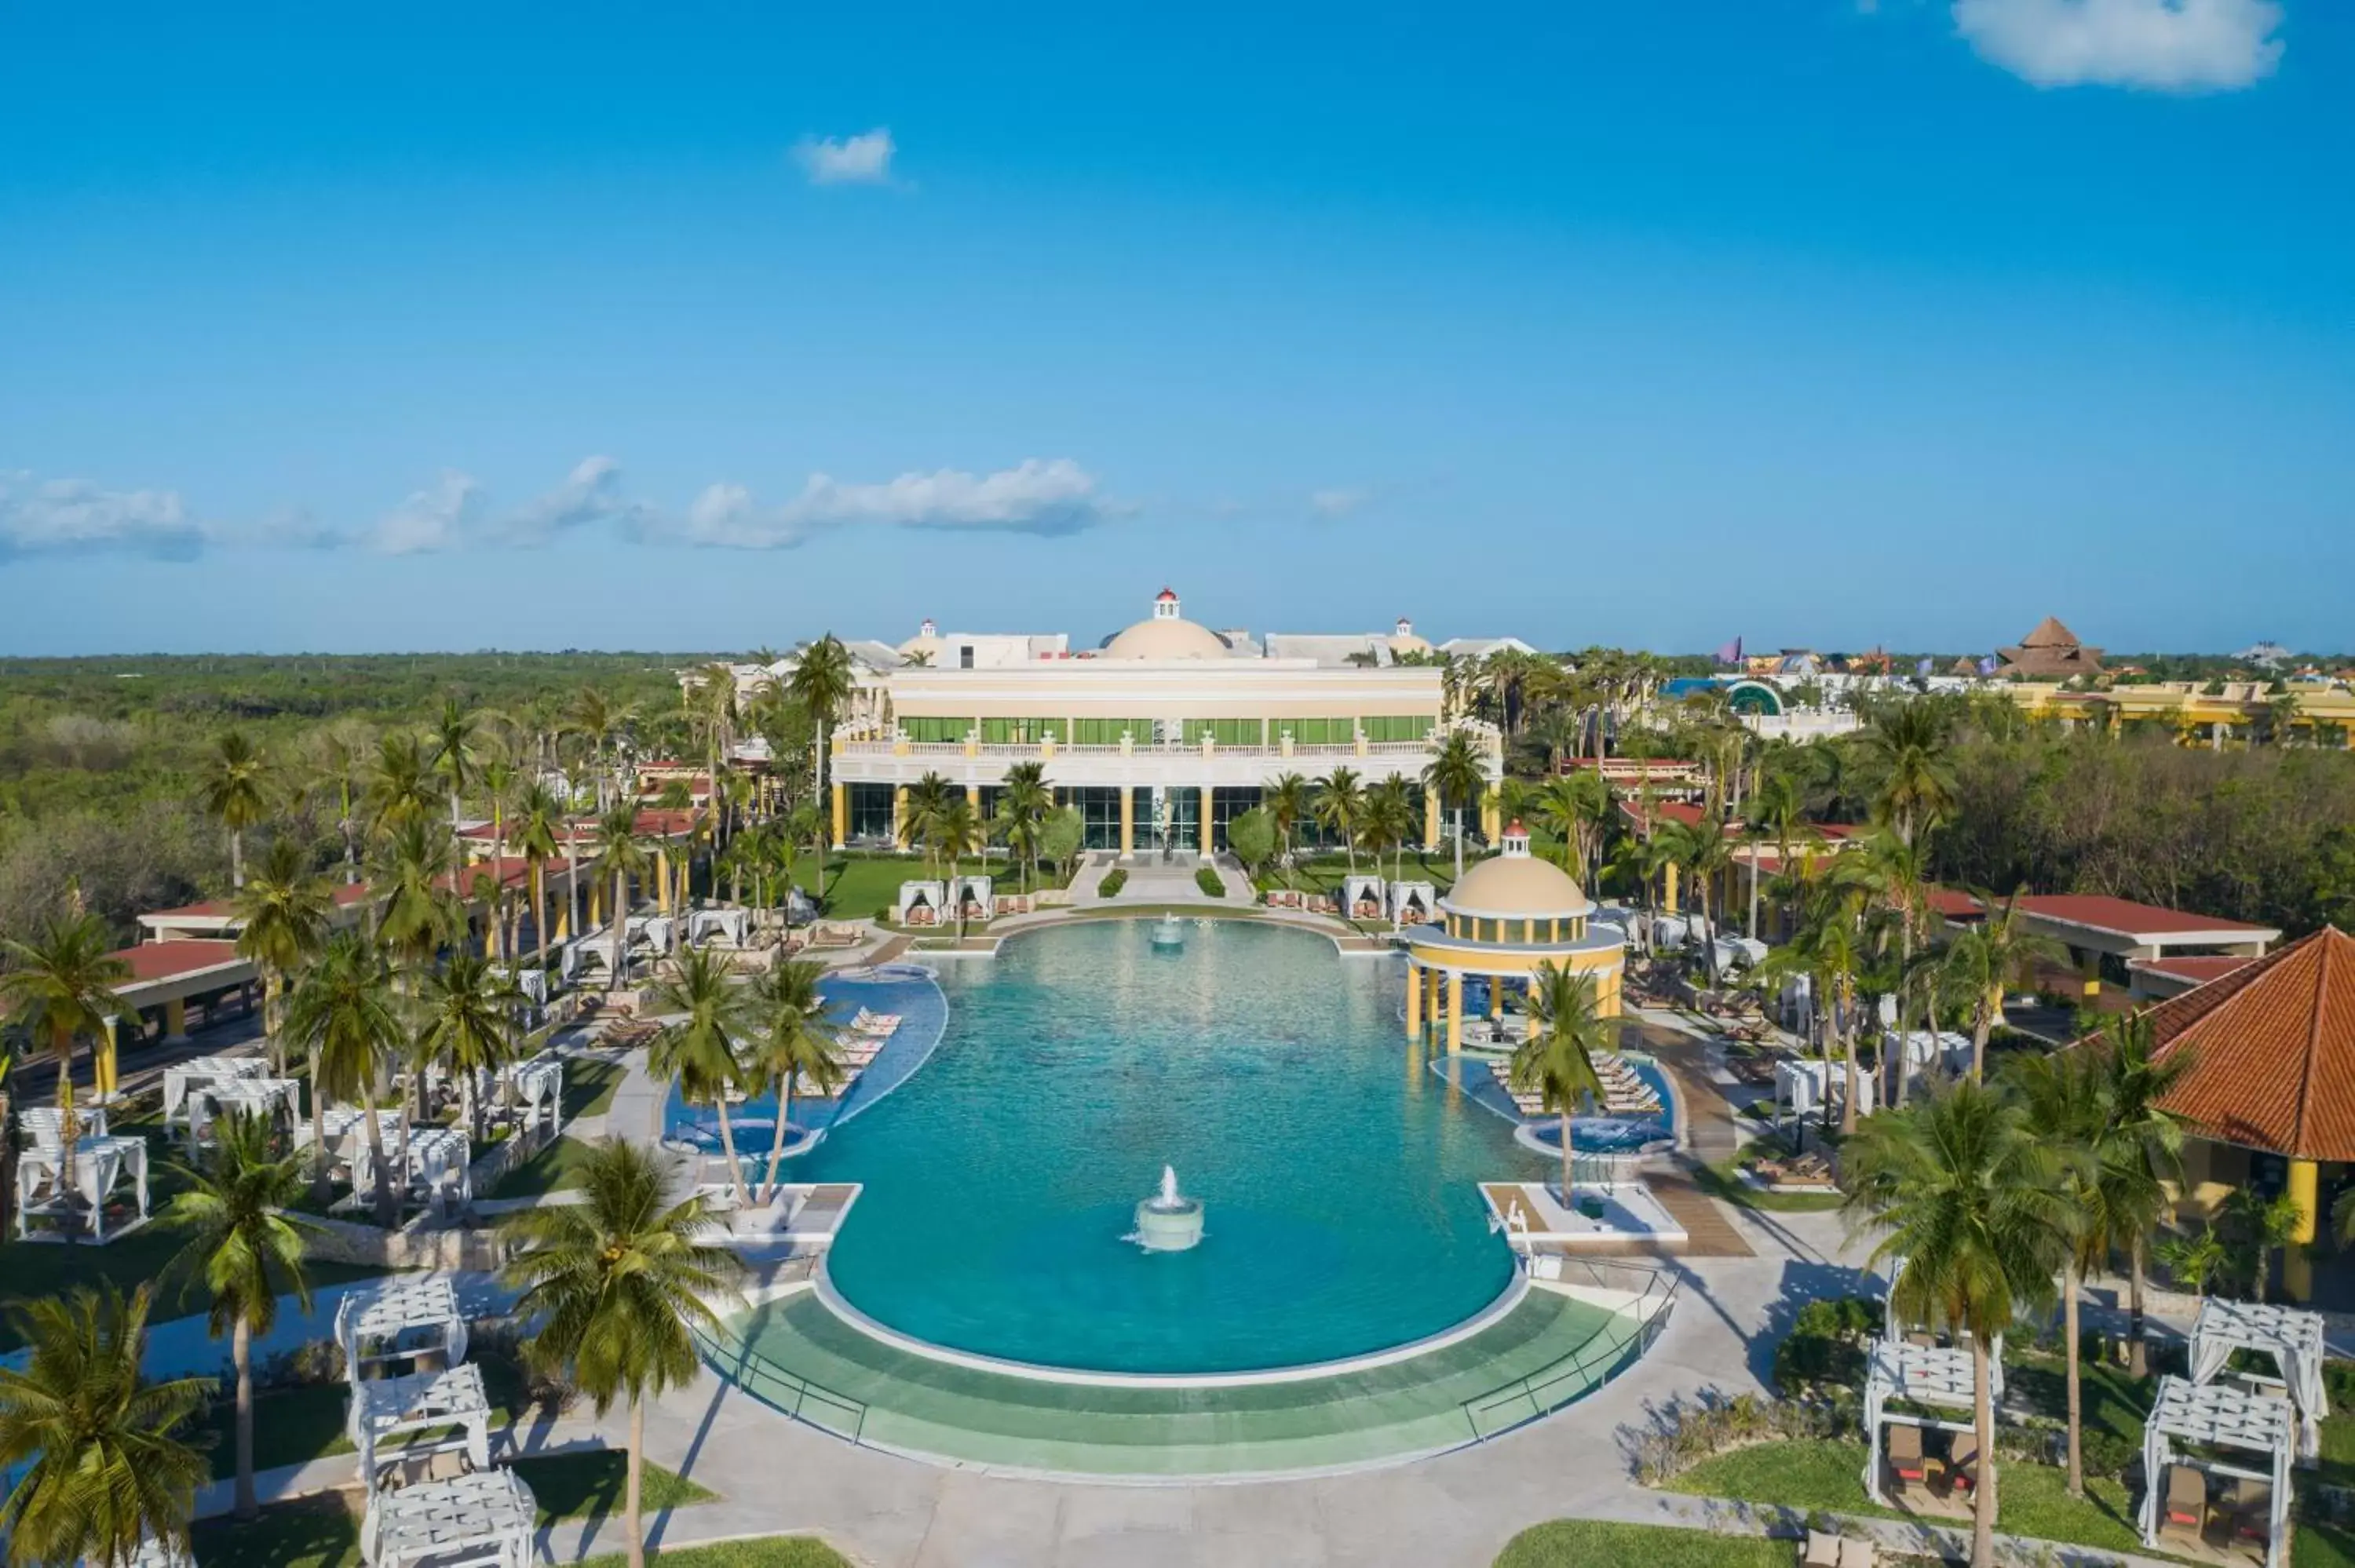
x=1202 y=827
x=1430 y=819
x=900 y=814
x=1454 y=1011
x=175 y=1019
x=662 y=879
x=1414 y=1001
x=1490 y=822
x=973 y=797
x=2090 y=969
x=1495 y=996
x=1127 y=821
x=2298 y=1272
x=596 y=904
x=102 y=1066
x=841 y=814
x=563 y=902
x=1668 y=892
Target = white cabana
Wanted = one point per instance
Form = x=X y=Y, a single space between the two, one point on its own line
x=345 y=1129
x=1804 y=1087
x=383 y=1409
x=572 y=956
x=532 y=982
x=1362 y=897
x=1669 y=932
x=1738 y=952
x=659 y=932
x=2292 y=1337
x=1918 y=1375
x=535 y=1088
x=920 y=903
x=704 y=925
x=2212 y=1417
x=1895 y=1332
x=150 y=1553
x=272 y=1099
x=399 y=1321
x=1411 y=903
x=437 y=1167
x=1922 y=1051
x=973 y=899
x=486 y=1519
x=202 y=1073
x=100 y=1162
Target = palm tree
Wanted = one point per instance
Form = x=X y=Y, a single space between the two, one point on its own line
x=466 y=1019
x=2069 y=1109
x=538 y=824
x=619 y=1284
x=247 y=1250
x=1288 y=798
x=342 y=1014
x=1963 y=1190
x=619 y=854
x=789 y=1038
x=1574 y=805
x=1556 y=1063
x=1341 y=802
x=1905 y=746
x=105 y=1468
x=2142 y=1147
x=928 y=797
x=1023 y=804
x=1390 y=821
x=1456 y=774
x=283 y=915
x=401 y=788
x=232 y=792
x=1777 y=809
x=823 y=681
x=458 y=763
x=2260 y=1227
x=700 y=1049
x=600 y=722
x=1705 y=850
x=956 y=832
x=1989 y=959
x=1827 y=949
x=62 y=984
x=332 y=756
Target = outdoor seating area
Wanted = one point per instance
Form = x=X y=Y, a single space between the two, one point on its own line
x=2199 y=1495
x=88 y=1202
x=1821 y=1549
x=1810 y=1172
x=1926 y=1459
x=1625 y=1092
x=415 y=1322
x=485 y=1518
x=187 y=1079
x=918 y=904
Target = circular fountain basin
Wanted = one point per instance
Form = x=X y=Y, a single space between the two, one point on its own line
x=1164 y=1226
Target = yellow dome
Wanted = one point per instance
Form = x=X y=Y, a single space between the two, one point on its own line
x=1166 y=637
x=1514 y=887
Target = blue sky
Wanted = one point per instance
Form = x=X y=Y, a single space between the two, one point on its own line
x=710 y=326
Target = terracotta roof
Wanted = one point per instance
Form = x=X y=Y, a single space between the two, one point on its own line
x=164 y=960
x=1685 y=811
x=2197 y=968
x=2110 y=916
x=345 y=894
x=2273 y=1050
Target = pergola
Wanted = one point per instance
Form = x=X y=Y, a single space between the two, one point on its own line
x=1918 y=1375
x=1805 y=1087
x=398 y=1322
x=532 y=982
x=98 y=1162
x=386 y=1408
x=2292 y=1337
x=1895 y=1333
x=1362 y=897
x=973 y=893
x=538 y=1088
x=920 y=903
x=2214 y=1416
x=254 y=1096
x=481 y=1520
x=705 y=924
x=202 y=1073
x=345 y=1130
x=438 y=1166
x=1411 y=903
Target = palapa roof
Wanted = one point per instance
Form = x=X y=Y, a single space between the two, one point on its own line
x=2052 y=650
x=2273 y=1050
x=2051 y=633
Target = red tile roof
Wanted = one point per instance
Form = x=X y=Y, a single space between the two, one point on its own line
x=1688 y=812
x=2197 y=968
x=2110 y=916
x=2273 y=1050
x=345 y=894
x=166 y=961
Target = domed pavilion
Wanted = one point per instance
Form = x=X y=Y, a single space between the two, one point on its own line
x=1166 y=635
x=1508 y=919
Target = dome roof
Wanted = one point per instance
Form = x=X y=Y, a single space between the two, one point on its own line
x=1166 y=637
x=1517 y=887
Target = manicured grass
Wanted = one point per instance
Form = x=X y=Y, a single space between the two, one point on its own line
x=588 y=1485
x=316 y=1532
x=556 y=1167
x=1807 y=1474
x=294 y=1426
x=768 y=1552
x=1587 y=1543
x=2321 y=1546
x=1719 y=1181
x=589 y=1086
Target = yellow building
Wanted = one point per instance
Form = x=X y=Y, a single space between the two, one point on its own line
x=2318 y=715
x=1509 y=918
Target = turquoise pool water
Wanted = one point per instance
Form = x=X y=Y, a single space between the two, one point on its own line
x=1337 y=1172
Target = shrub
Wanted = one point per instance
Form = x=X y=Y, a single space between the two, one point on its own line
x=1113 y=881
x=1826 y=1345
x=1209 y=881
x=1682 y=1436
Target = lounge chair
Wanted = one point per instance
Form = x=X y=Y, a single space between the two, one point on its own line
x=2185 y=1514
x=1963 y=1462
x=1819 y=1550
x=1907 y=1464
x=1855 y=1553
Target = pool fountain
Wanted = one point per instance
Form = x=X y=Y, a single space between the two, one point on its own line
x=1168 y=1221
x=1168 y=933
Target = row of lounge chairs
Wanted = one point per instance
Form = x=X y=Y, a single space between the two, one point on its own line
x=1801 y=1171
x=1913 y=1467
x=860 y=1041
x=2240 y=1512
x=1625 y=1093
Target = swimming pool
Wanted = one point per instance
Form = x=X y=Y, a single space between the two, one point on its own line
x=1336 y=1173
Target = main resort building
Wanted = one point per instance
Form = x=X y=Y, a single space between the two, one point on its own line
x=1159 y=737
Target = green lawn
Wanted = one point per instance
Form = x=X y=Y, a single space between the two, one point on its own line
x=1810 y=1474
x=556 y=1167
x=1719 y=1181
x=1585 y=1543
x=293 y=1426
x=768 y=1552
x=859 y=885
x=589 y=1086
x=324 y=1532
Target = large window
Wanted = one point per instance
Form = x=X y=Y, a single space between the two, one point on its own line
x=1098 y=811
x=1021 y=731
x=1397 y=726
x=1107 y=731
x=1319 y=731
x=1227 y=731
x=935 y=729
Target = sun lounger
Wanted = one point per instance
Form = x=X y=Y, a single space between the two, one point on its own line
x=1907 y=1464
x=1819 y=1550
x=1963 y=1461
x=2186 y=1513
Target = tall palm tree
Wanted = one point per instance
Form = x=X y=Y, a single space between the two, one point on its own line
x=1962 y=1188
x=333 y=757
x=233 y=790
x=61 y=984
x=1574 y=806
x=401 y=788
x=283 y=914
x=247 y=1251
x=788 y=1038
x=2142 y=1150
x=1827 y=947
x=928 y=797
x=1023 y=802
x=956 y=832
x=1341 y=802
x=2068 y=1108
x=342 y=1015
x=1556 y=1063
x=1992 y=957
x=620 y=854
x=1389 y=821
x=619 y=1283
x=823 y=681
x=1704 y=850
x=457 y=762
x=106 y=1468
x=699 y=1049
x=498 y=778
x=1288 y=798
x=1456 y=774
x=1905 y=748
x=466 y=1013
x=539 y=823
x=1777 y=810
x=599 y=723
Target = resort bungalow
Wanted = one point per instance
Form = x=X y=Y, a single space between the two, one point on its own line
x=2105 y=936
x=2269 y=1095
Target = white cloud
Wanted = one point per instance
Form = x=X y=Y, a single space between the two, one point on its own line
x=1048 y=498
x=1338 y=502
x=2169 y=45
x=431 y=519
x=861 y=160
x=62 y=516
x=591 y=492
